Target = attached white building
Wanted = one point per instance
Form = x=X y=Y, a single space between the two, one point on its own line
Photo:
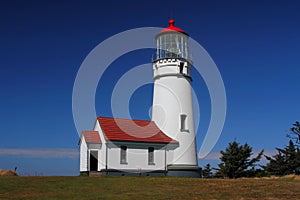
x=109 y=148
x=164 y=146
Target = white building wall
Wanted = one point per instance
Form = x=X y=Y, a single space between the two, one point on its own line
x=137 y=159
x=170 y=156
x=83 y=155
x=102 y=151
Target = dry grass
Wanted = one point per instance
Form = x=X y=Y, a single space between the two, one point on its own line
x=147 y=188
x=7 y=173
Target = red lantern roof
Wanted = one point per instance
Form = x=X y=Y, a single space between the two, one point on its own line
x=172 y=27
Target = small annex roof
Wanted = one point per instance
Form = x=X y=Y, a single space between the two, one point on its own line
x=91 y=136
x=117 y=129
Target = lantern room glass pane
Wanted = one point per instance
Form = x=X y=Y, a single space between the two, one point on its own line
x=172 y=45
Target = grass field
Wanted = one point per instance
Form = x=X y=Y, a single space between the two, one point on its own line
x=14 y=187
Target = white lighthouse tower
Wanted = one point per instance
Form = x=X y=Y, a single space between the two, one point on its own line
x=172 y=108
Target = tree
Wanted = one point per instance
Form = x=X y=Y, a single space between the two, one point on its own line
x=207 y=171
x=286 y=161
x=295 y=132
x=236 y=160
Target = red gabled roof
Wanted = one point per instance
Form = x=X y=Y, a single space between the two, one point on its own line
x=116 y=129
x=172 y=28
x=91 y=136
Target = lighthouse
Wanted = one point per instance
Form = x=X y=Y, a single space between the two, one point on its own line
x=172 y=108
x=162 y=146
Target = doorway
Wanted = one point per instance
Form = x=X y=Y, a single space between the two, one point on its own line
x=93 y=160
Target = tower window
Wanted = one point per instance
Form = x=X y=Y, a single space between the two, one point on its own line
x=183 y=123
x=150 y=156
x=123 y=157
x=181 y=67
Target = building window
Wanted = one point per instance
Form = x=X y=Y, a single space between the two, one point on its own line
x=151 y=156
x=183 y=123
x=123 y=157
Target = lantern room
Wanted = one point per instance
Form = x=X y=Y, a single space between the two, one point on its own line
x=172 y=42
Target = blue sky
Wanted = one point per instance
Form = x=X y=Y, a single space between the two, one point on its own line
x=255 y=44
